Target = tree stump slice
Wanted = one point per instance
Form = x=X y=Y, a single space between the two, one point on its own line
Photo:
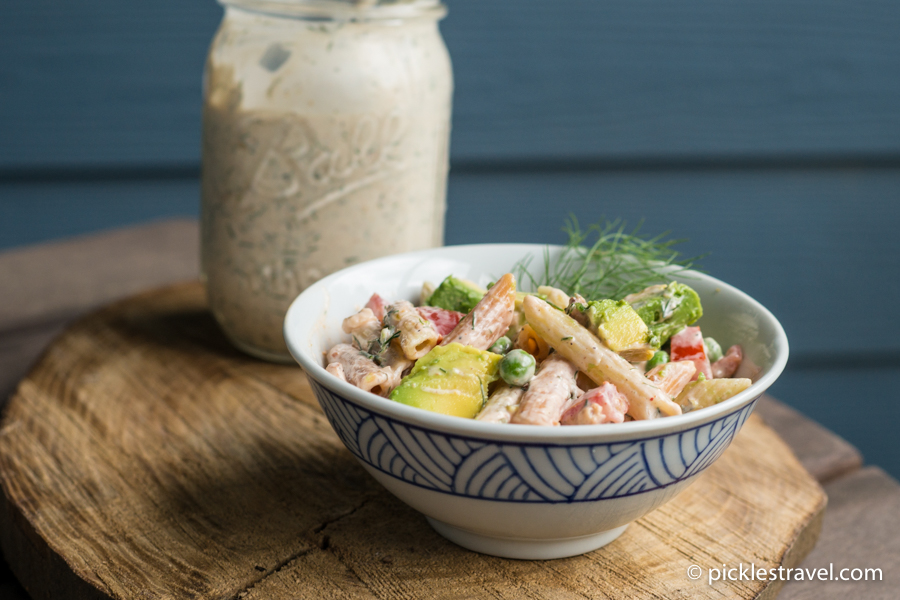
x=144 y=458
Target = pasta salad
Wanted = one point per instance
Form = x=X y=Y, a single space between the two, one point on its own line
x=538 y=358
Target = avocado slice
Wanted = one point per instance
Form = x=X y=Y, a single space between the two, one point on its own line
x=617 y=324
x=666 y=309
x=451 y=380
x=456 y=294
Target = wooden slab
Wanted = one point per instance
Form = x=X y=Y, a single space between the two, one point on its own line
x=859 y=531
x=144 y=458
x=825 y=455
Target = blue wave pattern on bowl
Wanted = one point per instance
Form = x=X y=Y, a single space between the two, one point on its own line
x=522 y=472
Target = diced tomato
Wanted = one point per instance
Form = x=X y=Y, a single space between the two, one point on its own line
x=728 y=364
x=687 y=344
x=443 y=320
x=376 y=303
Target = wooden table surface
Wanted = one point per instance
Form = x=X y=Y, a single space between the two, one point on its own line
x=44 y=287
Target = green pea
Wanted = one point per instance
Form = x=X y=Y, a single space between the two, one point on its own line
x=517 y=368
x=713 y=349
x=661 y=357
x=501 y=346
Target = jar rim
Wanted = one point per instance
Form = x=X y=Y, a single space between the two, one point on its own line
x=343 y=10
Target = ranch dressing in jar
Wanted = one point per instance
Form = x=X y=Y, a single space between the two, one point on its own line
x=325 y=143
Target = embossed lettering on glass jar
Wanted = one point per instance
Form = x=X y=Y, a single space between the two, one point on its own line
x=325 y=136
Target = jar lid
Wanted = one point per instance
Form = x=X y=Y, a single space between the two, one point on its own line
x=343 y=10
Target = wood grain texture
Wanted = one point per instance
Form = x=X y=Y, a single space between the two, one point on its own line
x=859 y=531
x=825 y=455
x=628 y=80
x=144 y=458
x=57 y=281
x=18 y=350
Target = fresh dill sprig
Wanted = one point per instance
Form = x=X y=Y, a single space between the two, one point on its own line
x=607 y=261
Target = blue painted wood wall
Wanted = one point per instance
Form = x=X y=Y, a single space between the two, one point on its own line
x=768 y=133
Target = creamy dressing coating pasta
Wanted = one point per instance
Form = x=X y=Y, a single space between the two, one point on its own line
x=363 y=327
x=600 y=405
x=490 y=318
x=417 y=334
x=501 y=405
x=548 y=394
x=577 y=344
x=564 y=348
x=361 y=371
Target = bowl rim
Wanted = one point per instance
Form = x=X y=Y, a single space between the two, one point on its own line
x=470 y=428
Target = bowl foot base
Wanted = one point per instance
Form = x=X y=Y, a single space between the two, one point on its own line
x=525 y=548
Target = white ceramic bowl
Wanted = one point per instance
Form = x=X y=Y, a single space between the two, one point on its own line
x=515 y=490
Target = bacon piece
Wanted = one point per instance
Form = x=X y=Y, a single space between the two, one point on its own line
x=376 y=303
x=443 y=320
x=728 y=364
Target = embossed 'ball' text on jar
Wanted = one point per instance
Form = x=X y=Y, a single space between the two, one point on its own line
x=325 y=143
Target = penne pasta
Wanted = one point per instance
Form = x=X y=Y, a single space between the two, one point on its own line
x=672 y=377
x=549 y=393
x=337 y=370
x=501 y=405
x=394 y=360
x=578 y=345
x=490 y=318
x=417 y=334
x=360 y=370
x=364 y=328
x=590 y=356
x=700 y=394
x=376 y=304
x=556 y=296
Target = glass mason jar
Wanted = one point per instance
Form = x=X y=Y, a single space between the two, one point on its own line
x=325 y=143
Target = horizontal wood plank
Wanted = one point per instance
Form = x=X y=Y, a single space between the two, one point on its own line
x=858 y=403
x=780 y=235
x=110 y=83
x=19 y=349
x=54 y=282
x=825 y=455
x=859 y=531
